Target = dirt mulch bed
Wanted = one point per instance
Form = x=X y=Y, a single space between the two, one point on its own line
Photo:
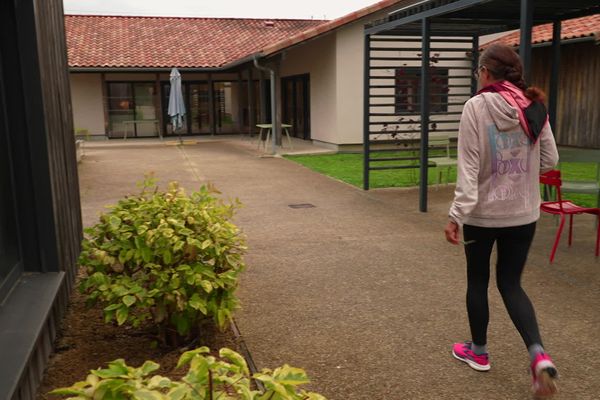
x=85 y=342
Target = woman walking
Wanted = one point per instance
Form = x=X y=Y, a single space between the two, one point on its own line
x=504 y=143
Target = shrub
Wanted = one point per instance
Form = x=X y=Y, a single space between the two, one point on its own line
x=207 y=378
x=164 y=257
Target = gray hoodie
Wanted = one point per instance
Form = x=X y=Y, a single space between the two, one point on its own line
x=498 y=166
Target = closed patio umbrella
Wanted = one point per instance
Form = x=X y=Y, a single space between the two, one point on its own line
x=176 y=104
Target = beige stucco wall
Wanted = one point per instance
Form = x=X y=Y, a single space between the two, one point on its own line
x=317 y=58
x=350 y=67
x=86 y=96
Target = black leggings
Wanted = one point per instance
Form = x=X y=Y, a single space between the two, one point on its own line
x=512 y=247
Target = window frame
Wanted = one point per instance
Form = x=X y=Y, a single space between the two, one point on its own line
x=413 y=75
x=133 y=103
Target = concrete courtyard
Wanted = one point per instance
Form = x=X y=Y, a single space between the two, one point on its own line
x=362 y=290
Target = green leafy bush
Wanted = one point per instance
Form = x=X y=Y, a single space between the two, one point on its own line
x=207 y=378
x=165 y=257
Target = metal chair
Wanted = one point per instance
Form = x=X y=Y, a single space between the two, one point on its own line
x=563 y=208
x=447 y=161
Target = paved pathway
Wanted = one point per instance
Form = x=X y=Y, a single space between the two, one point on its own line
x=362 y=290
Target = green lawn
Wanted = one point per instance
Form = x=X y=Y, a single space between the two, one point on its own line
x=349 y=168
x=579 y=172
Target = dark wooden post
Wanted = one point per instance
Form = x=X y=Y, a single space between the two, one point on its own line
x=525 y=44
x=425 y=48
x=240 y=105
x=105 y=104
x=474 y=63
x=211 y=105
x=366 y=111
x=251 y=105
x=277 y=117
x=553 y=99
x=263 y=98
x=158 y=103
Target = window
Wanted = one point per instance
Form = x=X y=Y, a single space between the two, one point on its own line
x=296 y=104
x=244 y=96
x=230 y=110
x=408 y=95
x=198 y=108
x=130 y=104
x=227 y=106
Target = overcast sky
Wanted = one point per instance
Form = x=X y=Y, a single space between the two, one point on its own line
x=318 y=9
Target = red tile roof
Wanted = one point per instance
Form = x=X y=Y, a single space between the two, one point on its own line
x=164 y=42
x=331 y=25
x=570 y=29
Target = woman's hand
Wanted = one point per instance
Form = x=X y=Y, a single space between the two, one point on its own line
x=451 y=232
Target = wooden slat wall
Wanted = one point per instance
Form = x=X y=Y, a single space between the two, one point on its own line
x=62 y=176
x=52 y=54
x=578 y=120
x=42 y=349
x=42 y=144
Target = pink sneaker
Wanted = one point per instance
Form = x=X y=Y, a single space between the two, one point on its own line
x=544 y=375
x=463 y=352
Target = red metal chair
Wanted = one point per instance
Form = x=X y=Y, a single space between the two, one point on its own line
x=563 y=208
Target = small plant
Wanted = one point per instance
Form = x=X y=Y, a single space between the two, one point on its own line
x=164 y=257
x=82 y=132
x=207 y=378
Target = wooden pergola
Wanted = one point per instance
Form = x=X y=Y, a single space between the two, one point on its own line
x=454 y=25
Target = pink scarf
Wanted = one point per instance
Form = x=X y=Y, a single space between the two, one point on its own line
x=517 y=99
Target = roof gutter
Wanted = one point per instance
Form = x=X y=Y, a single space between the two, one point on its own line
x=567 y=41
x=274 y=124
x=549 y=43
x=223 y=68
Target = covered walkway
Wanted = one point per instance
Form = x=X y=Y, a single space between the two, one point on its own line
x=447 y=31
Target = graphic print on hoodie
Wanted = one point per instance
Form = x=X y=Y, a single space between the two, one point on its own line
x=510 y=160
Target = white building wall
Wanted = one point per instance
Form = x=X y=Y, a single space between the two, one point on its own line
x=88 y=110
x=349 y=94
x=318 y=59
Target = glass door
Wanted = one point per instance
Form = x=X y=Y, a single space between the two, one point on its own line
x=296 y=105
x=120 y=109
x=146 y=117
x=227 y=107
x=250 y=113
x=132 y=109
x=199 y=108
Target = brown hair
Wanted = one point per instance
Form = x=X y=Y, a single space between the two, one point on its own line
x=504 y=63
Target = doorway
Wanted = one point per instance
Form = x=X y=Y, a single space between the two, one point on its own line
x=295 y=92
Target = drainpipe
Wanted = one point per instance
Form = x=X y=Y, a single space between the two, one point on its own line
x=275 y=129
